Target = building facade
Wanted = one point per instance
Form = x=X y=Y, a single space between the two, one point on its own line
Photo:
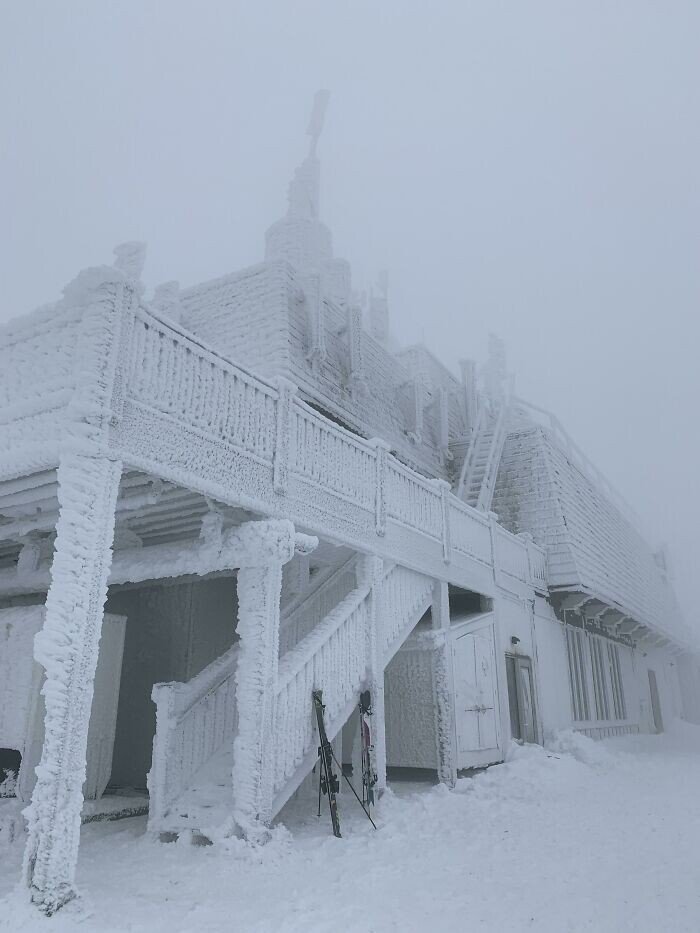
x=219 y=499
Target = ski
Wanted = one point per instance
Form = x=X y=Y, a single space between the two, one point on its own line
x=369 y=772
x=328 y=781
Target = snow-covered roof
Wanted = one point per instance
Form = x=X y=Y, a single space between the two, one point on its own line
x=592 y=547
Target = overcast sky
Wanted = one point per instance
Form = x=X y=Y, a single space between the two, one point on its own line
x=527 y=168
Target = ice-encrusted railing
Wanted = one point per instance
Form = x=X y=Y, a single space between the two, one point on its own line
x=334 y=658
x=193 y=721
x=305 y=612
x=538 y=564
x=171 y=372
x=404 y=595
x=510 y=555
x=197 y=718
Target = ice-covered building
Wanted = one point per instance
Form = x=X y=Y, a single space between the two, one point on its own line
x=217 y=500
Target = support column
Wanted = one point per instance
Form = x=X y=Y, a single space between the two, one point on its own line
x=267 y=545
x=443 y=687
x=67 y=647
x=370 y=572
x=259 y=590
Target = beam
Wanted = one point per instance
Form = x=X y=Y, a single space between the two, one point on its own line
x=573 y=602
x=136 y=565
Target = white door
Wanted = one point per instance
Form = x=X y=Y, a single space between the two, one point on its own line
x=476 y=698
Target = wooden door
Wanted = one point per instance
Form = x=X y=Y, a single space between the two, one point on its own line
x=476 y=698
x=526 y=700
x=521 y=698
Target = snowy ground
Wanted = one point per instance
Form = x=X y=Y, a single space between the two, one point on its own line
x=582 y=837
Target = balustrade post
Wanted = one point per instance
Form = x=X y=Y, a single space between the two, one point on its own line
x=493 y=529
x=157 y=778
x=528 y=540
x=284 y=433
x=370 y=572
x=445 y=488
x=266 y=546
x=67 y=647
x=443 y=687
x=381 y=451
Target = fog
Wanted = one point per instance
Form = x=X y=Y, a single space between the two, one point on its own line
x=524 y=168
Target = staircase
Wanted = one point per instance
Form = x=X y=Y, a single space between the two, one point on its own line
x=190 y=780
x=477 y=479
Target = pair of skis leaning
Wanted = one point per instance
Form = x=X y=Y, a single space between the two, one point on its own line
x=329 y=783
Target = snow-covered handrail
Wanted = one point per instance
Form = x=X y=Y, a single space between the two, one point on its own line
x=193 y=720
x=491 y=471
x=413 y=499
x=304 y=614
x=468 y=462
x=173 y=373
x=404 y=595
x=335 y=657
x=332 y=658
x=537 y=558
x=511 y=555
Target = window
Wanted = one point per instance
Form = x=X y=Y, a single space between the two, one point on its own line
x=577 y=673
x=618 y=693
x=600 y=684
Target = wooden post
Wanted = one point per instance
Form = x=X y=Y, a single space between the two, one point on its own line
x=370 y=571
x=67 y=647
x=283 y=434
x=443 y=687
x=381 y=450
x=267 y=545
x=444 y=489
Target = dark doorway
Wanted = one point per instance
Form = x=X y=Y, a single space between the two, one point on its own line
x=521 y=698
x=10 y=761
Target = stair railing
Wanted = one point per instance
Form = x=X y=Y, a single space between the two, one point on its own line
x=193 y=721
x=306 y=611
x=488 y=484
x=468 y=464
x=332 y=658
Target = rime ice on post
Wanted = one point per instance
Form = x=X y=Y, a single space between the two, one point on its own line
x=166 y=299
x=131 y=258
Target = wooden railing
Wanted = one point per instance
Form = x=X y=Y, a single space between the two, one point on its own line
x=537 y=558
x=510 y=554
x=335 y=658
x=488 y=484
x=403 y=598
x=193 y=721
x=305 y=613
x=332 y=658
x=172 y=372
